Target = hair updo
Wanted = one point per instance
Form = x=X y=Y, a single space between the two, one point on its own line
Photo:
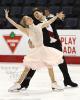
x=23 y=22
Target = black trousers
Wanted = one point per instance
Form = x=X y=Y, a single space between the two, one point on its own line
x=62 y=66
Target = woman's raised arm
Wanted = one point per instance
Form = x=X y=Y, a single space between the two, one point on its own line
x=50 y=21
x=22 y=29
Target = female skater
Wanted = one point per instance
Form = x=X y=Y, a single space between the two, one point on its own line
x=39 y=56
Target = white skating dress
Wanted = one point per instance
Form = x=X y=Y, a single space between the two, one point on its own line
x=41 y=56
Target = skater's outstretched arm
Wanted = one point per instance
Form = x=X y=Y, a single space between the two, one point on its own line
x=58 y=15
x=24 y=30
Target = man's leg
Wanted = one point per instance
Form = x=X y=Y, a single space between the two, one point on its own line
x=23 y=75
x=67 y=79
x=64 y=69
x=27 y=79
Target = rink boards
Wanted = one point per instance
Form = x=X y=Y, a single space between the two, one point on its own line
x=14 y=45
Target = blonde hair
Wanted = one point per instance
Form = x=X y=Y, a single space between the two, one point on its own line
x=23 y=23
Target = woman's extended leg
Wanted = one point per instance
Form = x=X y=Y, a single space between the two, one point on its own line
x=17 y=85
x=23 y=75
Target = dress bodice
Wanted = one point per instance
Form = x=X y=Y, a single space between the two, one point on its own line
x=36 y=35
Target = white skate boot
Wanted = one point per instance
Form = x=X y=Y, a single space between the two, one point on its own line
x=14 y=88
x=56 y=87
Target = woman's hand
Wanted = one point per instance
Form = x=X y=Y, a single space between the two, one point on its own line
x=60 y=15
x=30 y=44
x=6 y=12
x=22 y=29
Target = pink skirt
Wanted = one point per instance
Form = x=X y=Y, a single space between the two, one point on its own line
x=42 y=56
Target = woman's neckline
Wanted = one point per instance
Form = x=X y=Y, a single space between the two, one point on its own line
x=31 y=26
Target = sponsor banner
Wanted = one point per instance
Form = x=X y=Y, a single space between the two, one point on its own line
x=13 y=42
x=70 y=40
x=14 y=45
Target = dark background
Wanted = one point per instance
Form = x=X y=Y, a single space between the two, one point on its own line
x=18 y=8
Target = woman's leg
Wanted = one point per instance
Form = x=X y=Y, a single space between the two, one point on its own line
x=17 y=85
x=23 y=75
x=51 y=74
x=52 y=77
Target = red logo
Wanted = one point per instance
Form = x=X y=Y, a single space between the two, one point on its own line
x=12 y=40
